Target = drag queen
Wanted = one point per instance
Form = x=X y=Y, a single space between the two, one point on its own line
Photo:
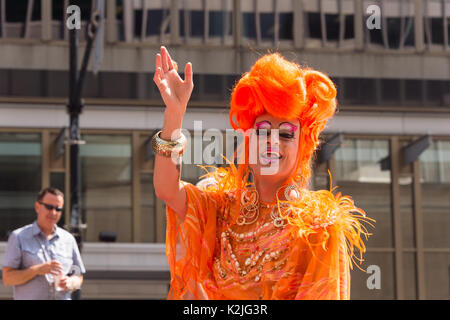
x=249 y=235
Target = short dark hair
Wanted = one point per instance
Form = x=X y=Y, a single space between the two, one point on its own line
x=51 y=190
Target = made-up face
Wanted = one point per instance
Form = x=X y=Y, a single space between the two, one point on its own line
x=276 y=141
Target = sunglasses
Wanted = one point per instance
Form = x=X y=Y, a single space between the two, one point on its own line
x=50 y=207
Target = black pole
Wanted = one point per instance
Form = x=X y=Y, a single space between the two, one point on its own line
x=75 y=108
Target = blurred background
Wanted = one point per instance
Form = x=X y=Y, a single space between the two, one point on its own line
x=388 y=146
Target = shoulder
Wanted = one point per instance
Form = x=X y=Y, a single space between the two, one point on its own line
x=23 y=232
x=322 y=209
x=66 y=235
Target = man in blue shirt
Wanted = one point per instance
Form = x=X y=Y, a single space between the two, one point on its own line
x=42 y=261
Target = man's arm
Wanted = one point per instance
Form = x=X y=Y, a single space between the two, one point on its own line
x=16 y=277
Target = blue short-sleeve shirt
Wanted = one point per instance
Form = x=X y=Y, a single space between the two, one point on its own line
x=28 y=246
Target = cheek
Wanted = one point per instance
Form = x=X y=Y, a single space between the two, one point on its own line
x=290 y=152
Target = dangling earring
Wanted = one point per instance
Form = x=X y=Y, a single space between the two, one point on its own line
x=291 y=193
x=249 y=210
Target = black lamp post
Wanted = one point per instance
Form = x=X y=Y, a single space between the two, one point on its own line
x=75 y=108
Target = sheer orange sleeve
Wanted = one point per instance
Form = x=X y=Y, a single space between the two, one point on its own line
x=190 y=245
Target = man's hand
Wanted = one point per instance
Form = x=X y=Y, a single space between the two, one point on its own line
x=50 y=267
x=70 y=283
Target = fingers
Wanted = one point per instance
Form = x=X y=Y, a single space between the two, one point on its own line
x=158 y=62
x=56 y=268
x=188 y=74
x=165 y=58
x=170 y=63
x=157 y=77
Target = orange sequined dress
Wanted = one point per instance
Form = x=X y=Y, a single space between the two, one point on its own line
x=304 y=253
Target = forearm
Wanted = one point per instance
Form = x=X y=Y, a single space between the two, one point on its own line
x=167 y=171
x=14 y=277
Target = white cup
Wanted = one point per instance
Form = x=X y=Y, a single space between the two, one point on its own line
x=57 y=282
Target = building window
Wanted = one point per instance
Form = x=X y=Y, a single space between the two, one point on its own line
x=20 y=180
x=149 y=220
x=314 y=25
x=435 y=178
x=106 y=185
x=286 y=29
x=249 y=25
x=359 y=174
x=332 y=22
x=435 y=175
x=220 y=23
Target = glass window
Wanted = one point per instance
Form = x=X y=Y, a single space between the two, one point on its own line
x=26 y=83
x=333 y=26
x=349 y=27
x=5 y=82
x=435 y=177
x=154 y=22
x=359 y=279
x=394 y=32
x=16 y=11
x=249 y=25
x=286 y=26
x=201 y=151
x=106 y=185
x=314 y=25
x=85 y=7
x=413 y=92
x=267 y=21
x=218 y=23
x=390 y=91
x=58 y=10
x=359 y=174
x=114 y=85
x=20 y=180
x=437 y=30
x=195 y=22
x=148 y=209
x=406 y=211
x=214 y=86
x=375 y=35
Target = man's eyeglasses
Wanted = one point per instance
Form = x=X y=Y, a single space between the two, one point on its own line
x=50 y=207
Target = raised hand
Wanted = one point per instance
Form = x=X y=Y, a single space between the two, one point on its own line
x=174 y=90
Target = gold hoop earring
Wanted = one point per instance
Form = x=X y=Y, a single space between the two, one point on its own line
x=287 y=193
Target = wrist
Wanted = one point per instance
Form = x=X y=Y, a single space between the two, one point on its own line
x=172 y=127
x=36 y=269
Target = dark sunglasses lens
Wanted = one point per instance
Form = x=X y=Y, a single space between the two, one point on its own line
x=50 y=207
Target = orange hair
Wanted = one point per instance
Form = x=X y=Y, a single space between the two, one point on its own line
x=284 y=89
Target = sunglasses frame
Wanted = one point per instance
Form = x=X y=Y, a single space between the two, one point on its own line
x=50 y=207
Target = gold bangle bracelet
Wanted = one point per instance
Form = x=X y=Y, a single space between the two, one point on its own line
x=168 y=148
